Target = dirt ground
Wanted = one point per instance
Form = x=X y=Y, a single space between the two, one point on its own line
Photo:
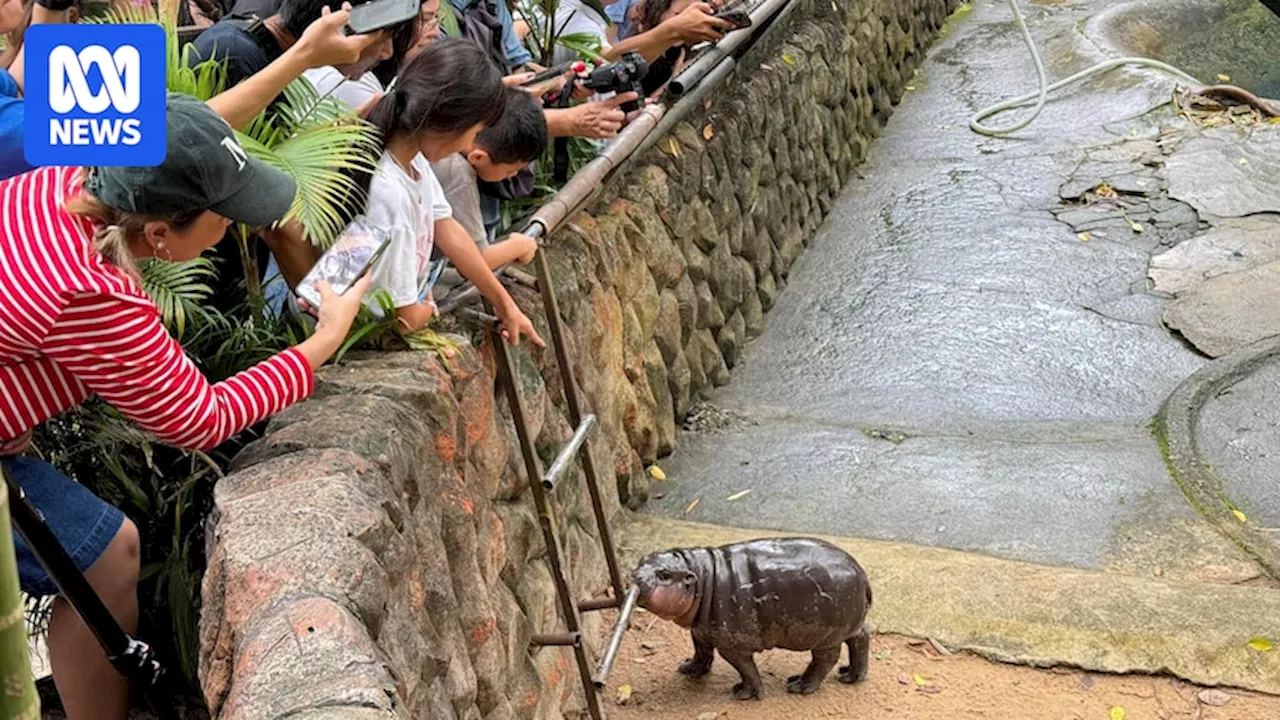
x=908 y=680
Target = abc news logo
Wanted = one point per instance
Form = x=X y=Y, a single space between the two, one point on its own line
x=121 y=89
x=98 y=97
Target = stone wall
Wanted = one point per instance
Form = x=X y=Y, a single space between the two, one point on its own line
x=376 y=555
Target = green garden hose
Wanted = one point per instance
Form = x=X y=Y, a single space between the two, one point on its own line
x=1040 y=96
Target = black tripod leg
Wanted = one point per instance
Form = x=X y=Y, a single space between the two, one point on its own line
x=131 y=657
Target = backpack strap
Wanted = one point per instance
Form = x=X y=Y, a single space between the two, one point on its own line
x=257 y=29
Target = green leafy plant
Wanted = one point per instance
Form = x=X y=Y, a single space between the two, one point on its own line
x=545 y=36
x=168 y=492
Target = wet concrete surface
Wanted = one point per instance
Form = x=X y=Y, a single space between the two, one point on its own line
x=1239 y=435
x=943 y=306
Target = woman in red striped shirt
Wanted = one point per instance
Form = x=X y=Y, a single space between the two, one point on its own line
x=75 y=322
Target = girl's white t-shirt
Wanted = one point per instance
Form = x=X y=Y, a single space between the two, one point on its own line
x=408 y=209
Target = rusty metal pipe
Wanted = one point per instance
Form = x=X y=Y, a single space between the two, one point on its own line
x=573 y=399
x=615 y=640
x=589 y=181
x=692 y=75
x=568 y=452
x=572 y=639
x=688 y=103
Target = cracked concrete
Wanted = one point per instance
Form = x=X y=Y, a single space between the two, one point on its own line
x=968 y=356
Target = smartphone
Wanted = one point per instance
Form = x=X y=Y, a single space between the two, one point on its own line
x=549 y=74
x=737 y=16
x=381 y=14
x=354 y=254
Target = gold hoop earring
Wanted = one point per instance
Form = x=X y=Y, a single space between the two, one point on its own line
x=168 y=255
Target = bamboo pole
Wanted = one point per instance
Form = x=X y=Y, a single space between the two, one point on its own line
x=18 y=700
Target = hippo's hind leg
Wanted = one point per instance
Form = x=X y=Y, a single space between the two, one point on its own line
x=744 y=662
x=700 y=664
x=823 y=660
x=859 y=657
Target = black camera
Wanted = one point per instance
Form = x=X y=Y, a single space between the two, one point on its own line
x=623 y=76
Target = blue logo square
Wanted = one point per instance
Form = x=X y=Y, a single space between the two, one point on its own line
x=95 y=95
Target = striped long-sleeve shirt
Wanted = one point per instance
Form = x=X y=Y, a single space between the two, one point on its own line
x=72 y=325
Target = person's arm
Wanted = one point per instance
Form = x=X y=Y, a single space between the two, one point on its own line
x=12 y=115
x=465 y=256
x=597 y=120
x=517 y=248
x=117 y=348
x=321 y=44
x=517 y=53
x=294 y=254
x=40 y=15
x=413 y=318
x=694 y=25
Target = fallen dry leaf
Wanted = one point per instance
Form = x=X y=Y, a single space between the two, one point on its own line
x=1105 y=190
x=1214 y=698
x=1244 y=161
x=1260 y=644
x=708 y=132
x=1223 y=77
x=656 y=473
x=692 y=505
x=1085 y=236
x=788 y=60
x=1117 y=713
x=650 y=645
x=624 y=694
x=738 y=495
x=919 y=680
x=1240 y=516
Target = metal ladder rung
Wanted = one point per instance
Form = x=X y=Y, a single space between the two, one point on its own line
x=568 y=452
x=571 y=639
x=576 y=447
x=615 y=640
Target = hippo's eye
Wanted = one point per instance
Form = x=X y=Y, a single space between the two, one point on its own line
x=664 y=576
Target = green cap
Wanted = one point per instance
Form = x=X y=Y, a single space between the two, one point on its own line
x=204 y=168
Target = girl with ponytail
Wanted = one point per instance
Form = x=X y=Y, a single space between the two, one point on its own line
x=441 y=100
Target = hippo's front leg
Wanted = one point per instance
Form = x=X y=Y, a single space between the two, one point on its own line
x=703 y=655
x=744 y=662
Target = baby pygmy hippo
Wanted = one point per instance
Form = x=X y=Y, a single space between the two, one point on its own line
x=791 y=593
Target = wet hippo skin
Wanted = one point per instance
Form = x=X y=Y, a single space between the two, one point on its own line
x=790 y=593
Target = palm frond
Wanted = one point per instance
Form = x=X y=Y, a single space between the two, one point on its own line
x=203 y=80
x=320 y=159
x=448 y=19
x=179 y=289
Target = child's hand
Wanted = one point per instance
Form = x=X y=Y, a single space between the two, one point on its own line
x=525 y=245
x=515 y=324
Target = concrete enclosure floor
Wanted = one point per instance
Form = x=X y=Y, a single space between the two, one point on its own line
x=953 y=363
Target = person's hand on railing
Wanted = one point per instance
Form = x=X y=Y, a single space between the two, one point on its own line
x=696 y=24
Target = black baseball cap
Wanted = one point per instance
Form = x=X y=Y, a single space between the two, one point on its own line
x=204 y=167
